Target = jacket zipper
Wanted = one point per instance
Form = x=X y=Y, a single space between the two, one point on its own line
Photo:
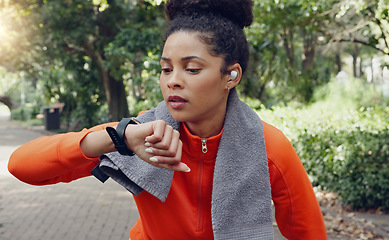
x=204 y=149
x=204 y=145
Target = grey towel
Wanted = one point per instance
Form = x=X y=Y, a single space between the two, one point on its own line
x=241 y=197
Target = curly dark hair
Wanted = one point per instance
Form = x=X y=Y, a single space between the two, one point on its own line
x=219 y=24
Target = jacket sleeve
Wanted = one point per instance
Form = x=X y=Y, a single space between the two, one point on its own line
x=53 y=159
x=297 y=210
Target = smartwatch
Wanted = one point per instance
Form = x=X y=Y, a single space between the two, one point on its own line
x=118 y=138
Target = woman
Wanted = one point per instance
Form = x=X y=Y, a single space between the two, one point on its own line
x=205 y=166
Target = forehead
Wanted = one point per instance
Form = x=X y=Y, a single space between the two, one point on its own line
x=183 y=44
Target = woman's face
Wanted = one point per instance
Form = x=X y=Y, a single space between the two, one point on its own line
x=192 y=84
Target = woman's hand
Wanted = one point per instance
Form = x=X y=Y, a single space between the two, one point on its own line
x=156 y=143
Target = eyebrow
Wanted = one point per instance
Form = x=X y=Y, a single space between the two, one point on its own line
x=184 y=58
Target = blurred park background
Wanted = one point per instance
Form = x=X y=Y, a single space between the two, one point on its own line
x=319 y=71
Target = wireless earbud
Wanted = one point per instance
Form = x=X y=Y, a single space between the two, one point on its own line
x=233 y=75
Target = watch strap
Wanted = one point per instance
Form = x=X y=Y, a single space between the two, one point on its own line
x=118 y=136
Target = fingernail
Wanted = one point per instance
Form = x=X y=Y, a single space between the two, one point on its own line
x=153 y=159
x=187 y=168
x=149 y=150
x=147 y=144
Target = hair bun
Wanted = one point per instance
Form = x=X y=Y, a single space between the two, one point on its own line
x=237 y=11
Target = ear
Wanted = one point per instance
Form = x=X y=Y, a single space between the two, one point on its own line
x=232 y=80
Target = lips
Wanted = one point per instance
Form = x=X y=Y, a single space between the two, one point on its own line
x=176 y=102
x=176 y=99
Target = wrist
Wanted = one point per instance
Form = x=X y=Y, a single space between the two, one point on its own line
x=118 y=136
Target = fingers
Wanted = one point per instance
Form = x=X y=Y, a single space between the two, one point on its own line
x=181 y=167
x=161 y=145
x=168 y=158
x=157 y=156
x=168 y=145
x=161 y=134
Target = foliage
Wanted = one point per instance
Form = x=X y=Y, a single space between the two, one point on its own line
x=22 y=92
x=295 y=44
x=88 y=54
x=150 y=83
x=348 y=93
x=9 y=83
x=370 y=21
x=284 y=39
x=139 y=62
x=76 y=88
x=352 y=161
x=344 y=148
x=25 y=113
x=15 y=35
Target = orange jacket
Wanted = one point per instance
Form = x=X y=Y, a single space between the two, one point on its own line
x=186 y=213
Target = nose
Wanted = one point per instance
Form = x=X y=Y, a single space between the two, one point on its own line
x=175 y=80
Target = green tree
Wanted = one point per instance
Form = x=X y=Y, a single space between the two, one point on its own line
x=104 y=36
x=358 y=28
x=285 y=42
x=362 y=22
x=86 y=53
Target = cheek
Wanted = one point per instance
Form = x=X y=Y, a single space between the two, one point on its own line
x=212 y=86
x=209 y=84
x=162 y=86
x=210 y=93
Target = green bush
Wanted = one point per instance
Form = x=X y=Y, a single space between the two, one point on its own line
x=29 y=111
x=352 y=161
x=343 y=140
x=346 y=152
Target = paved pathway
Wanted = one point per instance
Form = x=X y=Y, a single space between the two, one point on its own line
x=82 y=210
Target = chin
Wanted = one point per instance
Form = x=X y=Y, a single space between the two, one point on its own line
x=179 y=116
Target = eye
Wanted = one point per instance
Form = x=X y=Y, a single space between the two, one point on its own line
x=167 y=70
x=193 y=70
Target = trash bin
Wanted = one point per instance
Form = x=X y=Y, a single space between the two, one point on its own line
x=52 y=118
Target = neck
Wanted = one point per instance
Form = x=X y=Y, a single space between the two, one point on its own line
x=208 y=128
x=210 y=125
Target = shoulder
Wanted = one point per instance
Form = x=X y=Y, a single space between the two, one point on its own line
x=280 y=151
x=275 y=139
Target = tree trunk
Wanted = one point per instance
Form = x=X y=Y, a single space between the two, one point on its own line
x=361 y=72
x=114 y=89
x=288 y=39
x=355 y=61
x=338 y=62
x=309 y=44
x=117 y=106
